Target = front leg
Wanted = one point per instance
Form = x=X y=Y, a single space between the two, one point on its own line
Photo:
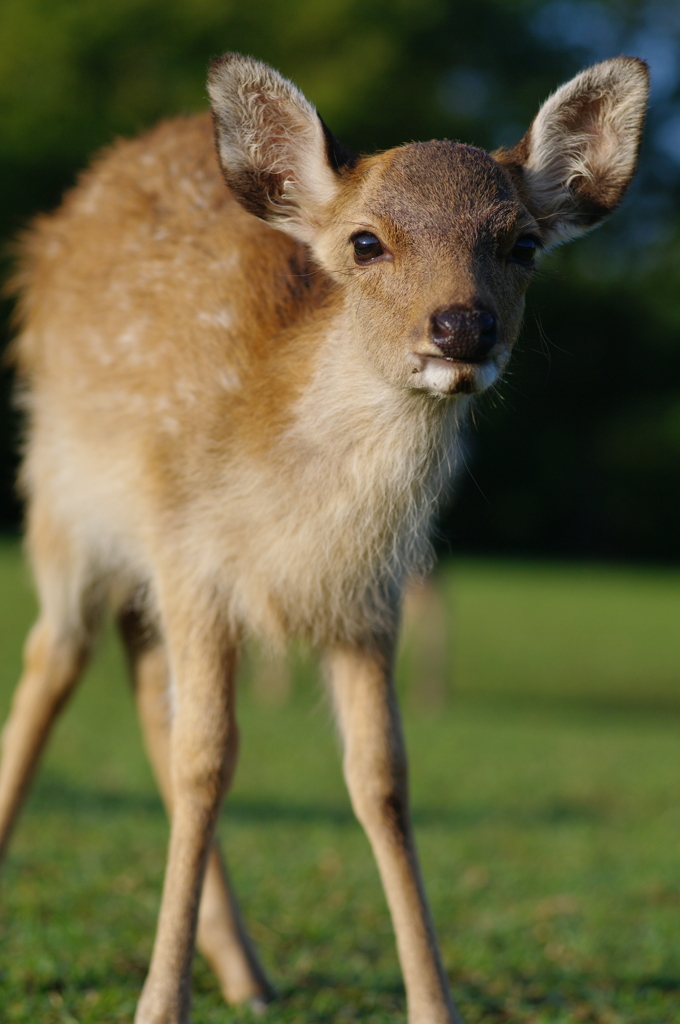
x=376 y=774
x=203 y=750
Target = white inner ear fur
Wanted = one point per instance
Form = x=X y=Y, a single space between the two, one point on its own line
x=266 y=126
x=589 y=128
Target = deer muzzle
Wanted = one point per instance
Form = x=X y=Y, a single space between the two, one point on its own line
x=463 y=334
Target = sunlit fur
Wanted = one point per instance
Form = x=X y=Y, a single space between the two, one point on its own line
x=280 y=476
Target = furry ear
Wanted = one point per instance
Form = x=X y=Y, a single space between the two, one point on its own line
x=576 y=161
x=277 y=155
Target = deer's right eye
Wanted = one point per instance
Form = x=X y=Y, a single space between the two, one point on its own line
x=366 y=247
x=524 y=250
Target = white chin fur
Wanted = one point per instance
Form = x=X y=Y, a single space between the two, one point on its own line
x=441 y=377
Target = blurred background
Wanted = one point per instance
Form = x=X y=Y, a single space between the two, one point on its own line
x=540 y=684
x=579 y=453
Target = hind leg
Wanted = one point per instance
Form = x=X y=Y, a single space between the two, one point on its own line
x=221 y=936
x=55 y=654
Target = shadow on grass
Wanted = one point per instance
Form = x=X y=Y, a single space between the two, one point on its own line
x=589 y=997
x=54 y=794
x=617 y=707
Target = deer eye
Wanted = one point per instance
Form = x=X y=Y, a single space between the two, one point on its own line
x=366 y=247
x=524 y=250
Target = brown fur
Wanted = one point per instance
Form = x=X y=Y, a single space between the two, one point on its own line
x=235 y=427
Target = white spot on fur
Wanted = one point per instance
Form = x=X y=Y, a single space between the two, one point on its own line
x=227 y=263
x=130 y=336
x=217 y=318
x=92 y=198
x=170 y=425
x=229 y=380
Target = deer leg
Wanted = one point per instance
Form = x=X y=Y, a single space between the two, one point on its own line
x=55 y=654
x=53 y=662
x=221 y=936
x=203 y=749
x=376 y=773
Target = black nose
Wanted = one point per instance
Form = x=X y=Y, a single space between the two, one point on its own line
x=465 y=334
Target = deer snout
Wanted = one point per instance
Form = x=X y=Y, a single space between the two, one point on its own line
x=464 y=334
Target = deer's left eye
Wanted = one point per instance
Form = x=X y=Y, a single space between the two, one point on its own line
x=367 y=247
x=524 y=250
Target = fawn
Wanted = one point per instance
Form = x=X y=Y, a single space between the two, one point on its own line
x=243 y=402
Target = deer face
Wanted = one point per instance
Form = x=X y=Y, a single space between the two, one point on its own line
x=432 y=244
x=434 y=251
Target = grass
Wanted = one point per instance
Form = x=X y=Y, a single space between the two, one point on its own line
x=545 y=737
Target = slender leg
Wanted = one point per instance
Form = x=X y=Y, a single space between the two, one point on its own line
x=376 y=774
x=55 y=655
x=221 y=936
x=203 y=750
x=53 y=662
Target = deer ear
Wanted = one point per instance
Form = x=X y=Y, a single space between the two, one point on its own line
x=277 y=156
x=576 y=161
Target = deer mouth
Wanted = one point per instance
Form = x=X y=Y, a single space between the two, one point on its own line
x=444 y=375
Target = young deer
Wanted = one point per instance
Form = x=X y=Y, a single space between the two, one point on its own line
x=244 y=401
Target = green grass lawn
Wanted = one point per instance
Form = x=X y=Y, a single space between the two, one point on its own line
x=544 y=736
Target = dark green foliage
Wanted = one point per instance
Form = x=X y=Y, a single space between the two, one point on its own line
x=580 y=452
